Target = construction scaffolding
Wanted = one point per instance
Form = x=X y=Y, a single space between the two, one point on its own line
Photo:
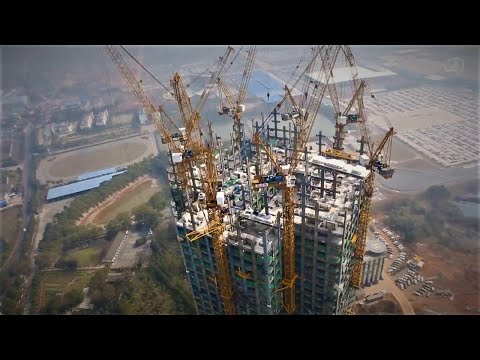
x=271 y=223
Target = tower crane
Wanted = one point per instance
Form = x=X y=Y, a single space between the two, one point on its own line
x=314 y=91
x=204 y=152
x=383 y=168
x=219 y=69
x=191 y=147
x=176 y=141
x=236 y=107
x=374 y=162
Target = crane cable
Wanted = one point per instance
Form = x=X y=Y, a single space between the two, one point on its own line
x=302 y=59
x=144 y=68
x=304 y=73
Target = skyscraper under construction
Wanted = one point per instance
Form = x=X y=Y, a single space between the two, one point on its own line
x=273 y=223
x=326 y=219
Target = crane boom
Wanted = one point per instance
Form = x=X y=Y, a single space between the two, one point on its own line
x=191 y=118
x=247 y=73
x=205 y=152
x=142 y=97
x=223 y=88
x=216 y=74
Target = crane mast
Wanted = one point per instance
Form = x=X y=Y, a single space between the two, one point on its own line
x=360 y=238
x=305 y=124
x=219 y=69
x=204 y=152
x=192 y=148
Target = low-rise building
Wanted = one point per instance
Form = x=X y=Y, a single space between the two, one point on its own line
x=87 y=121
x=63 y=128
x=142 y=117
x=101 y=118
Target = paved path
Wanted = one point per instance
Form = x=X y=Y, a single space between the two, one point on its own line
x=389 y=285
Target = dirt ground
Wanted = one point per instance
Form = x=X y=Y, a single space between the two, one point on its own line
x=454 y=270
x=79 y=163
x=109 y=208
x=134 y=196
x=388 y=306
x=69 y=165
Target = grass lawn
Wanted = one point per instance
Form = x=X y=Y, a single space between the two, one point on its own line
x=128 y=200
x=64 y=281
x=85 y=257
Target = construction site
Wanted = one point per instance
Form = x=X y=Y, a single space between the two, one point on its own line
x=272 y=220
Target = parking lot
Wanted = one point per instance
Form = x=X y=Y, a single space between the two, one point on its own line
x=406 y=272
x=440 y=122
x=128 y=255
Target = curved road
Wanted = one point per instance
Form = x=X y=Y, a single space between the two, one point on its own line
x=389 y=285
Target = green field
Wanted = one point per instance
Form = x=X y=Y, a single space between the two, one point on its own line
x=128 y=200
x=85 y=257
x=63 y=281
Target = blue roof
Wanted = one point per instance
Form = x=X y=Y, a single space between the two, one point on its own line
x=79 y=186
x=262 y=83
x=96 y=173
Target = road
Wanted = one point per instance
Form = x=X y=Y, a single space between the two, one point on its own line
x=389 y=285
x=27 y=174
x=416 y=180
x=17 y=248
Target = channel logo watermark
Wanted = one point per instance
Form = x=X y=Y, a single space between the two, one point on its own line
x=455 y=65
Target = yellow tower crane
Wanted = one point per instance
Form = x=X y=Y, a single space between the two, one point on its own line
x=373 y=162
x=192 y=148
x=314 y=90
x=236 y=107
x=204 y=152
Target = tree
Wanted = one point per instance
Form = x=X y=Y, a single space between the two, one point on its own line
x=72 y=298
x=124 y=219
x=140 y=241
x=54 y=306
x=437 y=193
x=146 y=216
x=69 y=264
x=121 y=222
x=158 y=200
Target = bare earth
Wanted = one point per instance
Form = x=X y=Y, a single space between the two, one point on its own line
x=107 y=210
x=69 y=165
x=453 y=270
